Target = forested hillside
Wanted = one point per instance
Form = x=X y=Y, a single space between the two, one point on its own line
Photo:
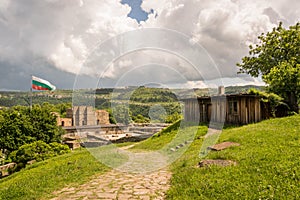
x=137 y=101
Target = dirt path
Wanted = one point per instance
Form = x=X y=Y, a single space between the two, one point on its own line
x=120 y=185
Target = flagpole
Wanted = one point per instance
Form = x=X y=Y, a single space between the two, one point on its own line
x=31 y=93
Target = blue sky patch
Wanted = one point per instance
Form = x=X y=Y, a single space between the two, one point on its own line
x=136 y=12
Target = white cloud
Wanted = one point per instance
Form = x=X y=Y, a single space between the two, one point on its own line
x=224 y=27
x=195 y=84
x=63 y=33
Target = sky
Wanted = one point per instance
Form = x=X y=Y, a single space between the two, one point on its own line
x=115 y=43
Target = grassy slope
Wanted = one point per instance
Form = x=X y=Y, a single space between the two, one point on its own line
x=41 y=179
x=160 y=139
x=269 y=165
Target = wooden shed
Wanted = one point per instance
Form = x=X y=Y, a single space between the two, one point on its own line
x=230 y=109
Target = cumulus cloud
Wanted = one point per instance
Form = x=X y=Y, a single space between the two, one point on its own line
x=225 y=28
x=59 y=31
x=65 y=34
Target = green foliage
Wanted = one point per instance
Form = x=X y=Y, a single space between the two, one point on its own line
x=140 y=100
x=145 y=95
x=173 y=118
x=44 y=124
x=37 y=151
x=148 y=109
x=112 y=120
x=59 y=149
x=12 y=130
x=157 y=114
x=2 y=158
x=140 y=119
x=277 y=58
x=159 y=118
x=284 y=79
x=242 y=89
x=9 y=99
x=20 y=125
x=121 y=114
x=62 y=108
x=275 y=47
x=268 y=97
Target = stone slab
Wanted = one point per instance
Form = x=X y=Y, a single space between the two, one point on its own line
x=222 y=146
x=222 y=163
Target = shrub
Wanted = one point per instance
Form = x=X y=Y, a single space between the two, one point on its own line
x=173 y=118
x=59 y=149
x=22 y=125
x=37 y=151
x=267 y=97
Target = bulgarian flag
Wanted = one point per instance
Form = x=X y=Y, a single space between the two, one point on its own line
x=41 y=84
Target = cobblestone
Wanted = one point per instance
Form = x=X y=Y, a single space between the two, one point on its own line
x=120 y=185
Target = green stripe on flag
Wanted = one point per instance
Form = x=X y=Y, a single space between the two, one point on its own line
x=42 y=85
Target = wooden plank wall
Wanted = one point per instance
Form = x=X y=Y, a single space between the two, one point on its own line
x=219 y=105
x=248 y=110
x=191 y=110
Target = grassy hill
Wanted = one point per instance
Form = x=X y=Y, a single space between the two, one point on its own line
x=39 y=180
x=268 y=166
x=268 y=163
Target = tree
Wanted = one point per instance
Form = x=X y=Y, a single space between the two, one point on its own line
x=277 y=57
x=15 y=130
x=284 y=79
x=112 y=119
x=37 y=151
x=173 y=118
x=121 y=114
x=44 y=124
x=20 y=125
x=270 y=100
x=140 y=119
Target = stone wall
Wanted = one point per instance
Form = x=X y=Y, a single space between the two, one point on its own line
x=4 y=168
x=102 y=117
x=65 y=122
x=85 y=116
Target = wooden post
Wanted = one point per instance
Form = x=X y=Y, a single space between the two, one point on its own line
x=31 y=93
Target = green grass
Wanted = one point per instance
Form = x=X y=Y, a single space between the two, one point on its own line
x=160 y=139
x=180 y=133
x=39 y=180
x=268 y=163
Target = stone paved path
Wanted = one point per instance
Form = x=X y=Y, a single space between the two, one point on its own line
x=120 y=185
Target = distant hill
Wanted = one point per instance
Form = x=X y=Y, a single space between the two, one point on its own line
x=242 y=89
x=142 y=97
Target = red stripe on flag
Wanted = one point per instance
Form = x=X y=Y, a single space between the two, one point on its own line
x=35 y=87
